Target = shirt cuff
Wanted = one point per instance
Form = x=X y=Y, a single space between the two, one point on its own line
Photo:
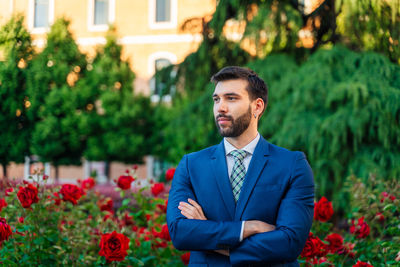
x=241 y=232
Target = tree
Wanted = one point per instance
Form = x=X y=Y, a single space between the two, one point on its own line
x=50 y=86
x=341 y=108
x=115 y=122
x=15 y=44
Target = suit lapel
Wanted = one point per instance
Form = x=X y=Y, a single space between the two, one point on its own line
x=220 y=171
x=257 y=164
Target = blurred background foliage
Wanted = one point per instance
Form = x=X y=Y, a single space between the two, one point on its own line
x=61 y=105
x=332 y=70
x=333 y=78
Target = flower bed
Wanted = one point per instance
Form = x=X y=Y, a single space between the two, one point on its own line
x=85 y=224
x=124 y=224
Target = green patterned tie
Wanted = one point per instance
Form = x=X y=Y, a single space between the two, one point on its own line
x=238 y=172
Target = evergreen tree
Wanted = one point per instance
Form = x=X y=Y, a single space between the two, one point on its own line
x=15 y=44
x=50 y=87
x=115 y=122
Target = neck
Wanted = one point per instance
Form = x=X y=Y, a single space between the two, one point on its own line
x=245 y=138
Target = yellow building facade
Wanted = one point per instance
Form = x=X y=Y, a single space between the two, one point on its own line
x=149 y=30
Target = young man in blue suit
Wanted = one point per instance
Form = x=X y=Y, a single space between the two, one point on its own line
x=244 y=202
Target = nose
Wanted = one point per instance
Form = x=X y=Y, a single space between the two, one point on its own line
x=222 y=107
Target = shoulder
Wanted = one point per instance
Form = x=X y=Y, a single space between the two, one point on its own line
x=279 y=152
x=284 y=152
x=204 y=153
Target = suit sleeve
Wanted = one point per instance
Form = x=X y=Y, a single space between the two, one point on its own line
x=190 y=234
x=293 y=223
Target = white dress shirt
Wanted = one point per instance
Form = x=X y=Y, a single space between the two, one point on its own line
x=230 y=160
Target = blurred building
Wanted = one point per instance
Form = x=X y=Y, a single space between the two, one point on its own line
x=149 y=30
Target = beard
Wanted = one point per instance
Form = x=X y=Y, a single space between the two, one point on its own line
x=238 y=125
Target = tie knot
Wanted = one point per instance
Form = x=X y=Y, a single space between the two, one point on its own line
x=238 y=154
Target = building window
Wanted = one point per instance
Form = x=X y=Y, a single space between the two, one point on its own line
x=158 y=83
x=163 y=14
x=163 y=10
x=101 y=14
x=41 y=14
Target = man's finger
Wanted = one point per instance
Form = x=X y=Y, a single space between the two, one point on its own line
x=188 y=216
x=194 y=203
x=190 y=210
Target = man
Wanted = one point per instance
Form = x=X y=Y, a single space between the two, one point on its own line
x=244 y=202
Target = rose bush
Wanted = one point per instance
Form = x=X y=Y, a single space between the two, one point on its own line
x=369 y=236
x=125 y=224
x=74 y=225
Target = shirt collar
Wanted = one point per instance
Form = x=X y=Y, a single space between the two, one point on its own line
x=249 y=148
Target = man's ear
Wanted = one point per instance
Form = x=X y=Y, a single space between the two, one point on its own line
x=259 y=107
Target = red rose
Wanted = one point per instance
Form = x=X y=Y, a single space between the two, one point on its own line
x=21 y=219
x=335 y=242
x=361 y=229
x=323 y=210
x=362 y=264
x=163 y=234
x=88 y=183
x=71 y=193
x=28 y=195
x=107 y=205
x=347 y=249
x=109 y=215
x=127 y=220
x=162 y=207
x=124 y=182
x=114 y=246
x=380 y=216
x=169 y=174
x=314 y=247
x=148 y=217
x=57 y=199
x=3 y=203
x=157 y=188
x=161 y=244
x=9 y=190
x=5 y=230
x=185 y=258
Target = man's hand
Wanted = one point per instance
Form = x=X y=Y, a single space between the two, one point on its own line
x=256 y=227
x=192 y=210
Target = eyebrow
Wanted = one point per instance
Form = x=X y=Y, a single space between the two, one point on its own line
x=227 y=94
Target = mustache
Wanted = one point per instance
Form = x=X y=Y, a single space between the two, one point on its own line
x=223 y=116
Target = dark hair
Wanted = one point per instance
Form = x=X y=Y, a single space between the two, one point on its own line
x=256 y=86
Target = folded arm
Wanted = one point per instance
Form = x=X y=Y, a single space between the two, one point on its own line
x=193 y=234
x=293 y=223
x=192 y=210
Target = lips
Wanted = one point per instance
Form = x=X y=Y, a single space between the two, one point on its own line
x=222 y=120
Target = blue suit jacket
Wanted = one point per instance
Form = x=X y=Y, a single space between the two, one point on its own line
x=278 y=189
